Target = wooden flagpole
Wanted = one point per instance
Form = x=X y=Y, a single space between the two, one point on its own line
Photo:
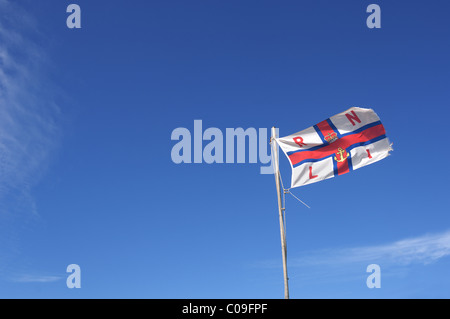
x=280 y=210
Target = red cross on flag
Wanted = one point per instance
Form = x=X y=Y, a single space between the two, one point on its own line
x=335 y=146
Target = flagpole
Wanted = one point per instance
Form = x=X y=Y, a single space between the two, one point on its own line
x=280 y=210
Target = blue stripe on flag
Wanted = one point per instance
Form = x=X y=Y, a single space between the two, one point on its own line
x=307 y=149
x=349 y=160
x=362 y=128
x=335 y=169
x=320 y=134
x=334 y=128
x=376 y=139
x=313 y=160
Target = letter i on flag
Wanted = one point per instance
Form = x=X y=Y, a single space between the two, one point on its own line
x=338 y=145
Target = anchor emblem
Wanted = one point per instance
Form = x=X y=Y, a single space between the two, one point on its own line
x=341 y=155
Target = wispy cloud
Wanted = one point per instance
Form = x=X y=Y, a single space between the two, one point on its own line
x=35 y=278
x=334 y=265
x=29 y=118
x=424 y=249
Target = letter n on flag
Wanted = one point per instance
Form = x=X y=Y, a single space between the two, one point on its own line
x=335 y=146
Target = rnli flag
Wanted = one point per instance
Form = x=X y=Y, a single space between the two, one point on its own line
x=338 y=145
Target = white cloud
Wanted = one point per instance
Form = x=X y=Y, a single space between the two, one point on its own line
x=35 y=278
x=423 y=249
x=28 y=117
x=29 y=129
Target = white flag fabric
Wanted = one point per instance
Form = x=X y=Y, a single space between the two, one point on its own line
x=335 y=146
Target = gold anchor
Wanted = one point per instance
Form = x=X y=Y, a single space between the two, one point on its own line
x=341 y=153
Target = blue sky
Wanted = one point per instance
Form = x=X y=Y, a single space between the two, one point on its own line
x=85 y=134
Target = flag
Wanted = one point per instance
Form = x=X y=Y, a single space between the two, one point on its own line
x=335 y=146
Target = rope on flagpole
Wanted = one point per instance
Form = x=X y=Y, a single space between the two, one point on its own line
x=297 y=198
